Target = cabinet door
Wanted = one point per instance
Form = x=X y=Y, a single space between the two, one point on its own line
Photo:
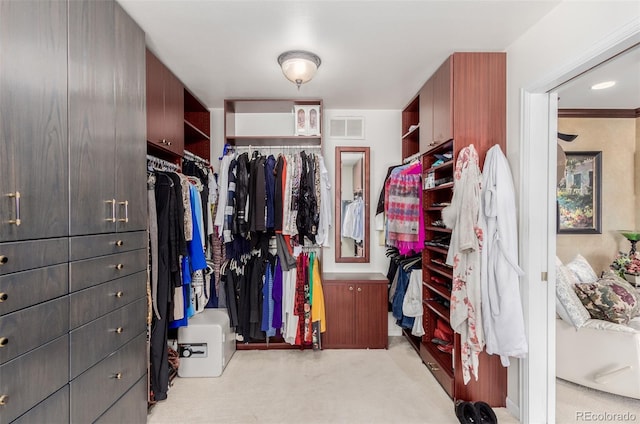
x=442 y=107
x=33 y=121
x=155 y=99
x=131 y=148
x=340 y=314
x=371 y=315
x=91 y=117
x=426 y=116
x=174 y=112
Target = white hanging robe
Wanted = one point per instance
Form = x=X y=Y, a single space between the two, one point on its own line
x=463 y=216
x=502 y=314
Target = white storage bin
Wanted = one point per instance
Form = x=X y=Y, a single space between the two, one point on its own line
x=206 y=345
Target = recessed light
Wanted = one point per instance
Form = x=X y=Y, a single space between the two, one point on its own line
x=603 y=85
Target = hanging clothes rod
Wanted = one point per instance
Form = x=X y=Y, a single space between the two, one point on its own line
x=411 y=158
x=195 y=157
x=297 y=147
x=162 y=164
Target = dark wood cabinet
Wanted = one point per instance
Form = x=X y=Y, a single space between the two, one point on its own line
x=442 y=112
x=411 y=127
x=165 y=107
x=33 y=121
x=356 y=311
x=426 y=115
x=469 y=107
x=72 y=129
x=197 y=126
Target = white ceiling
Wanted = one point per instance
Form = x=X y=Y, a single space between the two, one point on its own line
x=375 y=54
x=623 y=69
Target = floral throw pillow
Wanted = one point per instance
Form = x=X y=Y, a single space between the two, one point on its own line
x=609 y=301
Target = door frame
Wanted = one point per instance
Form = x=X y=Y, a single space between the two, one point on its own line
x=537 y=158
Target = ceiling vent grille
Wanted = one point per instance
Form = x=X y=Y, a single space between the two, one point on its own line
x=347 y=127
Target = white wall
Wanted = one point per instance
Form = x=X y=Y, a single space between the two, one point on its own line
x=382 y=135
x=567 y=36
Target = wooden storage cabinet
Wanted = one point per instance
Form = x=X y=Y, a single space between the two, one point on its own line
x=411 y=116
x=356 y=311
x=33 y=122
x=468 y=107
x=73 y=137
x=165 y=107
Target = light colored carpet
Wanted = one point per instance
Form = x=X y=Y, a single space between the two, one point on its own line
x=329 y=386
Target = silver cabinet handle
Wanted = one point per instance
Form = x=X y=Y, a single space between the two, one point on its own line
x=3 y=260
x=4 y=399
x=4 y=341
x=117 y=376
x=3 y=297
x=113 y=210
x=119 y=243
x=432 y=366
x=119 y=330
x=126 y=211
x=119 y=294
x=16 y=221
x=359 y=289
x=119 y=266
x=350 y=288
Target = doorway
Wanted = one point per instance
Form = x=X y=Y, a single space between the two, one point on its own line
x=538 y=162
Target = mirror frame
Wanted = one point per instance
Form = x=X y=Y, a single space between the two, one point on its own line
x=338 y=202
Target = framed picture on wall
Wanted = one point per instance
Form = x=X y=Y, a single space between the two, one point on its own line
x=579 y=194
x=301 y=119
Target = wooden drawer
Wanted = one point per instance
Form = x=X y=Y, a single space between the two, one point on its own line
x=28 y=328
x=89 y=272
x=130 y=408
x=27 y=288
x=32 y=377
x=94 y=341
x=89 y=304
x=54 y=409
x=85 y=247
x=444 y=378
x=98 y=388
x=24 y=255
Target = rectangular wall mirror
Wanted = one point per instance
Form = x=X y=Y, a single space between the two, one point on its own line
x=352 y=204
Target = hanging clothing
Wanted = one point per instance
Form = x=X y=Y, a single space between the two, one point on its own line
x=403 y=203
x=465 y=219
x=502 y=314
x=324 y=221
x=412 y=302
x=353 y=222
x=223 y=187
x=317 y=297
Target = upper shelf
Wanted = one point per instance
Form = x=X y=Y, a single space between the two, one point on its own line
x=273 y=121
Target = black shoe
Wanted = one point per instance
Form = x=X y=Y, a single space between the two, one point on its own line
x=485 y=413
x=466 y=412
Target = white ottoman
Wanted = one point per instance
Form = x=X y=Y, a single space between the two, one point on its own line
x=206 y=345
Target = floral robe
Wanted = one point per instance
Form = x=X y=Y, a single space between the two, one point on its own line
x=464 y=218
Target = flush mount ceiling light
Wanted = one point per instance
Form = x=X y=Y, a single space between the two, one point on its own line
x=603 y=85
x=299 y=66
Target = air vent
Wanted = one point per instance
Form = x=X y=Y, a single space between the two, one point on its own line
x=347 y=127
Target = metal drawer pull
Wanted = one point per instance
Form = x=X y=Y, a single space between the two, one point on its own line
x=3 y=259
x=432 y=366
x=3 y=297
x=4 y=399
x=119 y=266
x=4 y=341
x=118 y=376
x=350 y=288
x=119 y=294
x=113 y=210
x=126 y=211
x=119 y=330
x=359 y=289
x=119 y=243
x=16 y=221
